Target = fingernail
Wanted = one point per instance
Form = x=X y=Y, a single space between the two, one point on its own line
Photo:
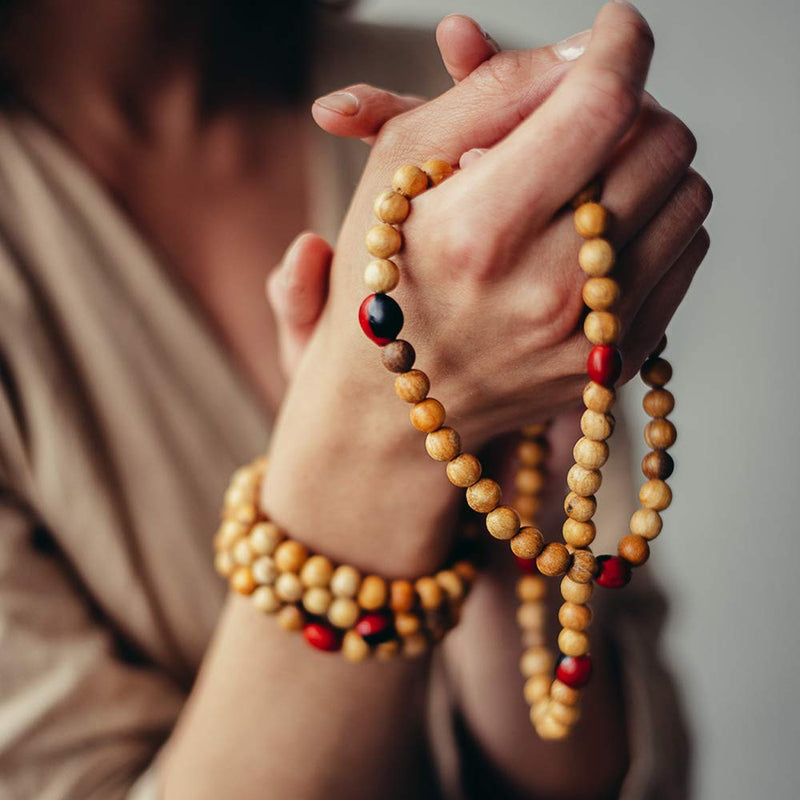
x=470 y=157
x=341 y=102
x=573 y=47
x=489 y=38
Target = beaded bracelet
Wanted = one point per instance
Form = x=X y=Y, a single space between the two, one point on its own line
x=335 y=607
x=554 y=701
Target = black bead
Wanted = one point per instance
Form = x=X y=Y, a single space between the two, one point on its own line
x=385 y=317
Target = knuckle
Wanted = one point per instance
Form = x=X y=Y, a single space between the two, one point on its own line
x=680 y=141
x=612 y=98
x=698 y=196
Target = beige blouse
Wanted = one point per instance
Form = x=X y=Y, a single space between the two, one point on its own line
x=114 y=393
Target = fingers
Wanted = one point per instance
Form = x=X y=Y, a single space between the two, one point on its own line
x=297 y=290
x=464 y=45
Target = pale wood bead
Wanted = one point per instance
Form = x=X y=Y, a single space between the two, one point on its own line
x=409 y=180
x=398 y=356
x=224 y=563
x=291 y=618
x=406 y=624
x=531 y=616
x=659 y=402
x=266 y=599
x=602 y=327
x=536 y=661
x=596 y=258
x=656 y=372
x=288 y=587
x=573 y=643
x=412 y=386
x=343 y=612
x=247 y=514
x=536 y=688
x=598 y=397
x=552 y=730
x=464 y=470
x=290 y=556
x=373 y=593
x=264 y=570
x=600 y=294
x=242 y=580
x=503 y=522
x=566 y=695
x=531 y=453
x=230 y=532
x=443 y=445
x=565 y=714
x=238 y=496
x=527 y=506
x=427 y=415
x=582 y=481
x=590 y=220
x=242 y=553
x=578 y=534
x=531 y=588
x=415 y=645
x=589 y=453
x=580 y=508
x=634 y=549
x=554 y=560
x=528 y=543
x=597 y=426
x=584 y=567
x=391 y=207
x=532 y=638
x=265 y=537
x=660 y=434
x=465 y=570
x=354 y=648
x=655 y=494
x=317 y=600
x=574 y=592
x=430 y=593
x=401 y=596
x=484 y=495
x=529 y=480
x=345 y=581
x=317 y=571
x=646 y=522
x=437 y=170
x=588 y=194
x=452 y=585
x=383 y=241
x=245 y=476
x=381 y=275
x=539 y=711
x=386 y=651
x=575 y=616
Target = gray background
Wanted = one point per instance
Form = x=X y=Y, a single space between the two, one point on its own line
x=729 y=553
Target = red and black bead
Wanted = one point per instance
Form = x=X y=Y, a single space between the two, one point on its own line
x=375 y=628
x=527 y=566
x=604 y=364
x=381 y=318
x=321 y=636
x=613 y=572
x=575 y=671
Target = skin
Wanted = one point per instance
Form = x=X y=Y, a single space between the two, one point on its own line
x=294 y=720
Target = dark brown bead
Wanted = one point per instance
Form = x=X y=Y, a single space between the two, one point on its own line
x=398 y=356
x=656 y=372
x=658 y=464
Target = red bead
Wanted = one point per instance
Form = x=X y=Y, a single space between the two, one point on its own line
x=375 y=628
x=323 y=637
x=614 y=572
x=527 y=566
x=575 y=671
x=381 y=318
x=604 y=364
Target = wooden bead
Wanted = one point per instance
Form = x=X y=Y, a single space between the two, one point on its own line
x=354 y=648
x=443 y=445
x=536 y=688
x=646 y=522
x=573 y=643
x=430 y=593
x=589 y=453
x=503 y=522
x=288 y=587
x=484 y=495
x=527 y=506
x=531 y=616
x=465 y=570
x=224 y=563
x=655 y=494
x=291 y=618
x=660 y=434
x=265 y=537
x=574 y=592
x=565 y=714
x=578 y=534
x=659 y=402
x=437 y=170
x=552 y=730
x=584 y=567
x=427 y=415
x=266 y=599
x=415 y=645
x=381 y=275
x=656 y=372
x=373 y=593
x=634 y=549
x=536 y=661
x=531 y=453
x=290 y=556
x=317 y=571
x=406 y=624
x=409 y=180
x=590 y=220
x=386 y=651
x=242 y=554
x=343 y=612
x=451 y=584
x=575 y=616
x=246 y=514
x=401 y=596
x=597 y=426
x=398 y=356
x=229 y=532
x=531 y=588
x=658 y=464
x=317 y=600
x=528 y=543
x=600 y=294
x=264 y=570
x=383 y=241
x=535 y=429
x=588 y=194
x=345 y=581
x=602 y=327
x=566 y=695
x=597 y=397
x=412 y=386
x=242 y=581
x=238 y=495
x=529 y=480
x=464 y=470
x=392 y=208
x=580 y=508
x=596 y=257
x=554 y=560
x=582 y=481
